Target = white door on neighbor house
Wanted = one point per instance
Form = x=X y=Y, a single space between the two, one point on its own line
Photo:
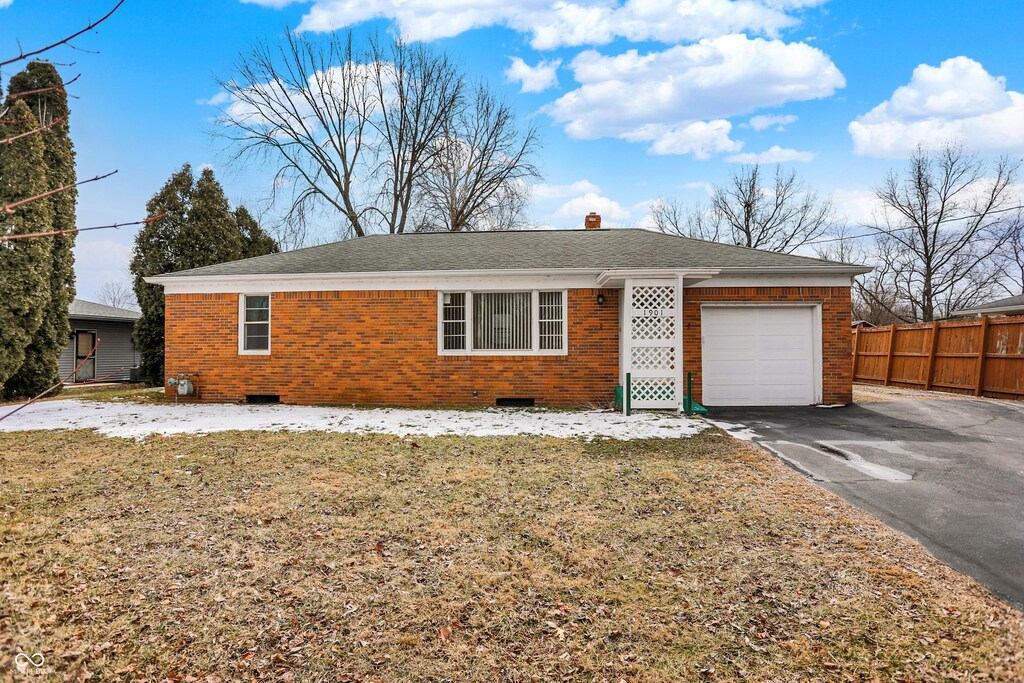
x=760 y=355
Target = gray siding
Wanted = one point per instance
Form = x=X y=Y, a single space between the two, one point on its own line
x=116 y=348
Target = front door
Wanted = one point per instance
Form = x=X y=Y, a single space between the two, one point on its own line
x=85 y=343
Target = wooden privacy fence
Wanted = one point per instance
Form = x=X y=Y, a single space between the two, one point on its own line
x=983 y=357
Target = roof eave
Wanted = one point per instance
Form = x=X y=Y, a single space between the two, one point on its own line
x=103 y=318
x=999 y=310
x=811 y=269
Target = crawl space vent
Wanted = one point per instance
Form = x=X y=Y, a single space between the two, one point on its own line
x=515 y=402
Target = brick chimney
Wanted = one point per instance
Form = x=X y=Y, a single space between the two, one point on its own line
x=592 y=221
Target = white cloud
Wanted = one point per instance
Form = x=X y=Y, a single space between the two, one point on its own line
x=772 y=155
x=276 y=4
x=766 y=121
x=660 y=95
x=5 y=3
x=957 y=101
x=542 y=191
x=701 y=185
x=859 y=207
x=578 y=207
x=533 y=78
x=699 y=138
x=99 y=260
x=551 y=25
x=218 y=100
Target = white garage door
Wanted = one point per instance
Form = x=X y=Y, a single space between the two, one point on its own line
x=759 y=356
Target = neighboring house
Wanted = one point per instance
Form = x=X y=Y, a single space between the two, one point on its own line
x=115 y=356
x=859 y=324
x=546 y=317
x=1011 y=305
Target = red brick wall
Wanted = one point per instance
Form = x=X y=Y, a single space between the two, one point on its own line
x=837 y=363
x=380 y=347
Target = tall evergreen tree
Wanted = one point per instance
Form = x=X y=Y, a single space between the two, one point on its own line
x=256 y=240
x=199 y=229
x=24 y=264
x=45 y=96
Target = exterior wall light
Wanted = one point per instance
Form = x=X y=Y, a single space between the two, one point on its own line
x=600 y=299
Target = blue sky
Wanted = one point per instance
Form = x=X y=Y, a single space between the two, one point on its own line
x=635 y=100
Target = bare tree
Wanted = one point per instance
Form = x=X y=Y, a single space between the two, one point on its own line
x=1011 y=259
x=479 y=177
x=355 y=133
x=419 y=95
x=117 y=293
x=778 y=215
x=943 y=226
x=304 y=107
x=669 y=215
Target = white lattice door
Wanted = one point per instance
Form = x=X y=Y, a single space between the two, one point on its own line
x=654 y=349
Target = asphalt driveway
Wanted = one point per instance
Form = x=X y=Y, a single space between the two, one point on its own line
x=949 y=473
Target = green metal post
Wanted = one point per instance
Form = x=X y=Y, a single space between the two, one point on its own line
x=629 y=394
x=688 y=404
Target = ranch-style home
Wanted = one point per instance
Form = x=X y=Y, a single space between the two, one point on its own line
x=543 y=317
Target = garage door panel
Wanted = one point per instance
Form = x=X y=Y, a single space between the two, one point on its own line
x=729 y=345
x=758 y=356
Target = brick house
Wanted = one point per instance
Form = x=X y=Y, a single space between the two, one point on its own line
x=547 y=317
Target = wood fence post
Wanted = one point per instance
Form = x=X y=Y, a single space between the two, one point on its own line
x=856 y=350
x=979 y=379
x=888 y=356
x=930 y=372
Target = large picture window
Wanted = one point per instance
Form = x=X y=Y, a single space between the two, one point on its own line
x=254 y=324
x=509 y=322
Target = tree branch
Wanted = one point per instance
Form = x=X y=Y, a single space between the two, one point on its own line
x=65 y=41
x=41 y=129
x=9 y=208
x=68 y=231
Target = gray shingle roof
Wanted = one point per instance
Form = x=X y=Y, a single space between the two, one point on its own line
x=80 y=308
x=1010 y=303
x=629 y=248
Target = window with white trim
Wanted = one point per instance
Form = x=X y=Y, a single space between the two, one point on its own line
x=453 y=321
x=503 y=322
x=254 y=327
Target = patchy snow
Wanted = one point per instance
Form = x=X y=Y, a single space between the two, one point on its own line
x=742 y=432
x=138 y=420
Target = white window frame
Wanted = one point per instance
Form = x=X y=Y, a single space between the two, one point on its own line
x=535 y=349
x=242 y=351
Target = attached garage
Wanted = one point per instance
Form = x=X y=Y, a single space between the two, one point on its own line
x=761 y=355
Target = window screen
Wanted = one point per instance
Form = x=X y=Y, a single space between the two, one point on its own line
x=550 y=321
x=256 y=327
x=453 y=321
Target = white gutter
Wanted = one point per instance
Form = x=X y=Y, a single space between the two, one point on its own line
x=388 y=274
x=832 y=269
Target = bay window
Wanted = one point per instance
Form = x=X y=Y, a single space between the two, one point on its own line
x=502 y=323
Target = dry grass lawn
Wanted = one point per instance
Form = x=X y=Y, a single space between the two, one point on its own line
x=323 y=557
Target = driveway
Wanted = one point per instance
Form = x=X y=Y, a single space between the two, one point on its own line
x=948 y=473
